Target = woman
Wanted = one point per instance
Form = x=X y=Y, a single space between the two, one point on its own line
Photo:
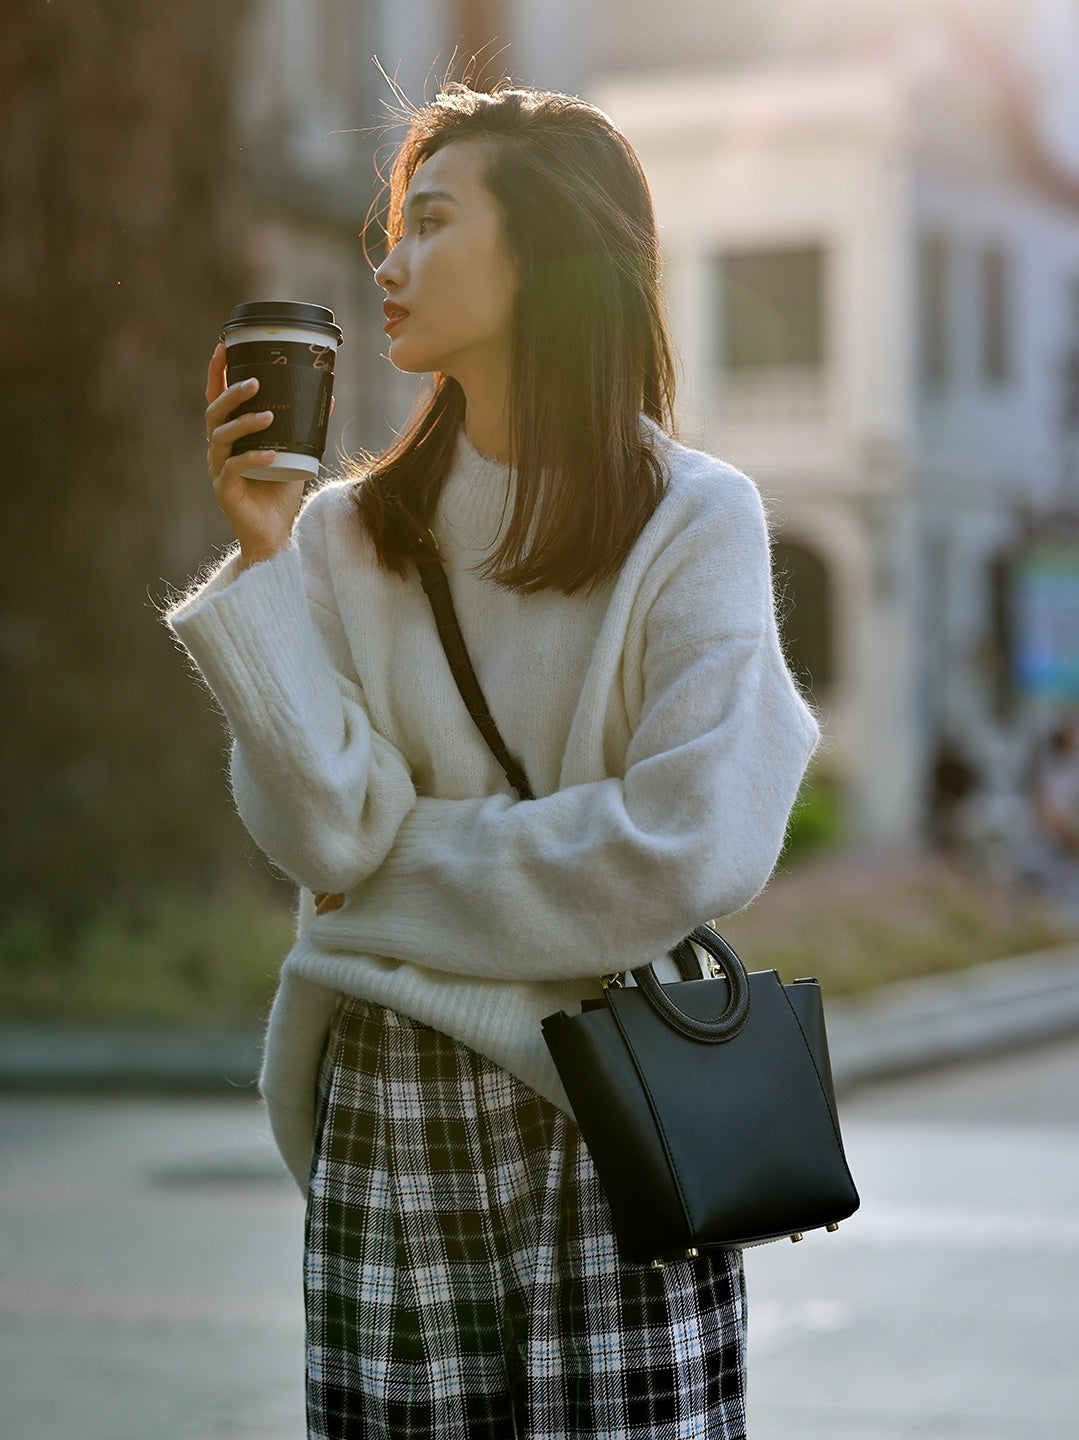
x=461 y=1275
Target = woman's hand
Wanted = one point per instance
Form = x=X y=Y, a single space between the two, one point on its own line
x=325 y=902
x=261 y=512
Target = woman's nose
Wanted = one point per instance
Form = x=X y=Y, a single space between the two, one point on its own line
x=388 y=274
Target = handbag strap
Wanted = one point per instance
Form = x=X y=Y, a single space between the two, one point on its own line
x=437 y=589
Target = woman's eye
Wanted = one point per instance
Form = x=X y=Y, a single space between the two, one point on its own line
x=425 y=224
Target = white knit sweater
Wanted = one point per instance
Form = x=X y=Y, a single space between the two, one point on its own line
x=656 y=720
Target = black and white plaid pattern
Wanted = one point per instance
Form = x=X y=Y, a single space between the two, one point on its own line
x=461 y=1276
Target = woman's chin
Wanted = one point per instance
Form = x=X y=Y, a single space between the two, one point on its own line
x=409 y=360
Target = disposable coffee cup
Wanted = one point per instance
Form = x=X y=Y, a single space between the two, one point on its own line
x=290 y=348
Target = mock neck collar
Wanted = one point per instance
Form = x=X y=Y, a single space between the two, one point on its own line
x=476 y=500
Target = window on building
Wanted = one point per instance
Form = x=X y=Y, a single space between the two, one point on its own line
x=935 y=285
x=772 y=308
x=996 y=314
x=806 y=615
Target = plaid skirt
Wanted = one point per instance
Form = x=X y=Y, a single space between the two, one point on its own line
x=461 y=1278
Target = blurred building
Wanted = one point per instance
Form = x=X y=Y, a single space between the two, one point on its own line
x=873 y=264
x=870 y=215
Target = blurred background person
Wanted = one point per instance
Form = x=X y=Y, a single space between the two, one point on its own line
x=1054 y=858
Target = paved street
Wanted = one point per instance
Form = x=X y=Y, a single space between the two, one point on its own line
x=150 y=1257
x=948 y=1307
x=150 y=1254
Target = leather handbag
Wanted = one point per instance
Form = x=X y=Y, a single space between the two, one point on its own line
x=707 y=1105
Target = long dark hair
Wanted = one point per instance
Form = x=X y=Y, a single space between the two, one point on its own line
x=590 y=350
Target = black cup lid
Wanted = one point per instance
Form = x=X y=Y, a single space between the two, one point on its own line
x=282 y=312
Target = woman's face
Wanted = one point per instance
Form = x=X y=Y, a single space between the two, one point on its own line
x=450 y=281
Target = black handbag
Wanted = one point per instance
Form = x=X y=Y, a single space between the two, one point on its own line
x=707 y=1105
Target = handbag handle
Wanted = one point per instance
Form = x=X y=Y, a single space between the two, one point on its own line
x=712 y=1032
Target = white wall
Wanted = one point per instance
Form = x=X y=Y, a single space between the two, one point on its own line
x=778 y=158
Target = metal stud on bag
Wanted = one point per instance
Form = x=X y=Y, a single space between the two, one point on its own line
x=690 y=1253
x=831 y=1229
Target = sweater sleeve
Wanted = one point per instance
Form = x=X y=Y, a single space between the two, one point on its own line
x=611 y=874
x=320 y=791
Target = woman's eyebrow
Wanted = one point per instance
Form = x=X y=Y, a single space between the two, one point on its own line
x=426 y=197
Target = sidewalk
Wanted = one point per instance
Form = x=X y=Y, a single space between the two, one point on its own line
x=62 y=1057
x=911 y=1026
x=921 y=1023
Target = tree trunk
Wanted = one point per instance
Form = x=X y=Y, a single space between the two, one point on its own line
x=118 y=262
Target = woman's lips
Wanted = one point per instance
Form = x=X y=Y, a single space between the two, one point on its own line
x=394 y=315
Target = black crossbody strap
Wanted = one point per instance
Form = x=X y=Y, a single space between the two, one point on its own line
x=437 y=589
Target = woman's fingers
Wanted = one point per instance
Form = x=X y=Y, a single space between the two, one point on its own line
x=225 y=435
x=229 y=476
x=325 y=903
x=215 y=372
x=222 y=464
x=260 y=512
x=221 y=407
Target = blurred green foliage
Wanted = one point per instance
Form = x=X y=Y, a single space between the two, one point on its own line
x=859 y=922
x=818 y=821
x=172 y=960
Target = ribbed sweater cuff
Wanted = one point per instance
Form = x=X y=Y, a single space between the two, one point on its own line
x=251 y=635
x=393 y=911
